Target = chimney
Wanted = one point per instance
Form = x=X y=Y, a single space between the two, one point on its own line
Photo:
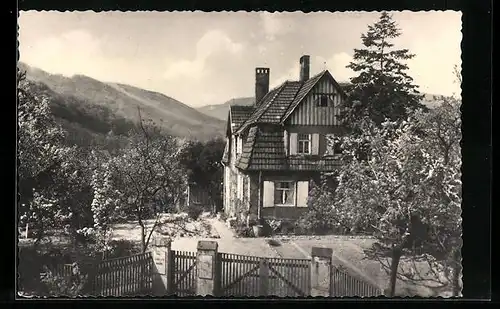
x=261 y=83
x=304 y=68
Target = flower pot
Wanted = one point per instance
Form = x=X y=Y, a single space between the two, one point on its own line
x=258 y=230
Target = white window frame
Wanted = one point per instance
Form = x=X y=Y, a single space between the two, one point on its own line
x=301 y=140
x=292 y=187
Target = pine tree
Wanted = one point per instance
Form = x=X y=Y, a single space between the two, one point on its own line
x=382 y=89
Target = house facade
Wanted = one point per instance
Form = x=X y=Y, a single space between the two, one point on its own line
x=277 y=148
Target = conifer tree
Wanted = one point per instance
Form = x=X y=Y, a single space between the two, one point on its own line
x=382 y=88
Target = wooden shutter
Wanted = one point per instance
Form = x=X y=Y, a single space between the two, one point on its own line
x=240 y=145
x=302 y=193
x=315 y=144
x=268 y=196
x=293 y=143
x=286 y=138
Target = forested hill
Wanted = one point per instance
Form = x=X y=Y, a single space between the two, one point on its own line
x=90 y=109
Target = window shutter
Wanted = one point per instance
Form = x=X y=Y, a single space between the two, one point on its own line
x=240 y=145
x=286 y=139
x=293 y=143
x=302 y=193
x=268 y=196
x=315 y=144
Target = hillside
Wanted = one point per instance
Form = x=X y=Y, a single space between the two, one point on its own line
x=80 y=99
x=220 y=111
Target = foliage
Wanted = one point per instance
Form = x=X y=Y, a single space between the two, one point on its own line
x=202 y=162
x=71 y=286
x=42 y=158
x=104 y=207
x=382 y=89
x=242 y=230
x=149 y=177
x=406 y=192
x=320 y=216
x=194 y=211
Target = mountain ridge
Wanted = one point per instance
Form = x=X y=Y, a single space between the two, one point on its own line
x=123 y=101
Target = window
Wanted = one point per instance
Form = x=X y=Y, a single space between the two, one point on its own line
x=323 y=101
x=304 y=143
x=284 y=193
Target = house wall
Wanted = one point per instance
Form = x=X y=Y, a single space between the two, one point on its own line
x=282 y=212
x=309 y=113
x=235 y=205
x=310 y=129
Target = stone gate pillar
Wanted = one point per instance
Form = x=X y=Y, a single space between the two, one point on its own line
x=321 y=267
x=162 y=272
x=206 y=263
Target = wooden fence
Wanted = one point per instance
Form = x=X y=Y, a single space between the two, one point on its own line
x=343 y=284
x=236 y=275
x=184 y=274
x=130 y=275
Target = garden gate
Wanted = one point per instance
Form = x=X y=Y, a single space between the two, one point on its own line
x=184 y=273
x=242 y=275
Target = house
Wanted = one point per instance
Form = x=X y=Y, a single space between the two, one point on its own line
x=277 y=148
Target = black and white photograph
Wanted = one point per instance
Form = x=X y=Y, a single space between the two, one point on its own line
x=239 y=154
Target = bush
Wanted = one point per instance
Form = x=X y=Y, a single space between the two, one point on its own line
x=72 y=285
x=320 y=217
x=242 y=230
x=123 y=247
x=194 y=211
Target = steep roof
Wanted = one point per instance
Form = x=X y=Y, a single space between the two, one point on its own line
x=264 y=149
x=239 y=114
x=279 y=103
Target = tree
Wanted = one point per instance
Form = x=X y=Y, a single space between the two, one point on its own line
x=149 y=177
x=41 y=156
x=202 y=161
x=405 y=192
x=441 y=129
x=382 y=89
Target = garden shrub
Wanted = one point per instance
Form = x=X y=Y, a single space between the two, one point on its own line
x=194 y=211
x=123 y=247
x=321 y=216
x=242 y=230
x=57 y=285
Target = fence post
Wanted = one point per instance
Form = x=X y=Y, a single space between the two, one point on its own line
x=162 y=270
x=263 y=278
x=206 y=263
x=321 y=267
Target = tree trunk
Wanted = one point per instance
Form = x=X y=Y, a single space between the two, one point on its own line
x=143 y=237
x=396 y=256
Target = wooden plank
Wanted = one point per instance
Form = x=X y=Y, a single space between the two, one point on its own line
x=291 y=284
x=264 y=278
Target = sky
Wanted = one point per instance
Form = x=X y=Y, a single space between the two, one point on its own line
x=203 y=58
